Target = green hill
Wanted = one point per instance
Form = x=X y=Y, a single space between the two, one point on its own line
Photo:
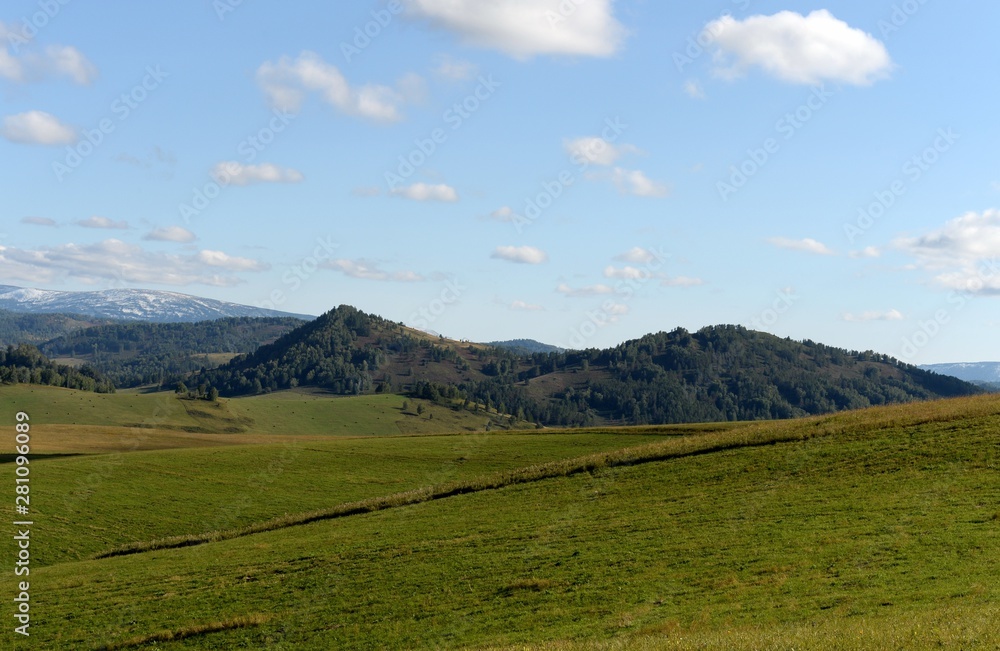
x=875 y=529
x=135 y=354
x=716 y=374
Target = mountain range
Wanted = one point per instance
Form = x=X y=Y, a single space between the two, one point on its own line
x=129 y=305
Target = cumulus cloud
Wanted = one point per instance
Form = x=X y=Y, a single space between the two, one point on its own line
x=34 y=65
x=170 y=234
x=681 y=281
x=963 y=254
x=234 y=173
x=455 y=69
x=102 y=222
x=116 y=260
x=597 y=150
x=522 y=306
x=578 y=292
x=225 y=261
x=867 y=252
x=427 y=192
x=891 y=315
x=38 y=221
x=799 y=49
x=639 y=255
x=525 y=28
x=37 y=128
x=627 y=273
x=368 y=270
x=636 y=183
x=287 y=82
x=806 y=245
x=520 y=254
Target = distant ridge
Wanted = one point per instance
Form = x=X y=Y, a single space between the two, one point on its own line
x=129 y=304
x=526 y=346
x=968 y=371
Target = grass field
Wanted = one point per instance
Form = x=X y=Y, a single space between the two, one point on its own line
x=866 y=530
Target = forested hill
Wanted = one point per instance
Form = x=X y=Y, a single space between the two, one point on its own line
x=718 y=373
x=134 y=354
x=25 y=365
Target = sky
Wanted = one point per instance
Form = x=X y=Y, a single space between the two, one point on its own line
x=581 y=172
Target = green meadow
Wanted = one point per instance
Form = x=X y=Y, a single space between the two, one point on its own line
x=877 y=529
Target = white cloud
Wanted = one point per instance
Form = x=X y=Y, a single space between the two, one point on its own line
x=524 y=28
x=234 y=173
x=231 y=263
x=799 y=49
x=504 y=214
x=427 y=192
x=594 y=149
x=53 y=61
x=592 y=290
x=368 y=270
x=38 y=221
x=170 y=234
x=694 y=89
x=806 y=245
x=68 y=61
x=963 y=253
x=520 y=254
x=286 y=83
x=37 y=128
x=636 y=183
x=102 y=222
x=521 y=306
x=681 y=281
x=455 y=69
x=616 y=309
x=867 y=252
x=891 y=315
x=119 y=261
x=638 y=255
x=627 y=273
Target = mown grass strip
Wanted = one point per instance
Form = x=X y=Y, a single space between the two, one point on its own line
x=752 y=435
x=186 y=632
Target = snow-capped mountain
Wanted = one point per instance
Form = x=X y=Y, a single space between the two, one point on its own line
x=130 y=304
x=968 y=371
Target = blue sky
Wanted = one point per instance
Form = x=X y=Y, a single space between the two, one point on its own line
x=581 y=172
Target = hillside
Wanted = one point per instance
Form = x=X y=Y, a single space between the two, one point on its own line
x=865 y=530
x=134 y=354
x=23 y=328
x=128 y=304
x=716 y=374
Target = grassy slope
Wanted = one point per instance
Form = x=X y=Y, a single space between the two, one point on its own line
x=86 y=505
x=887 y=518
x=68 y=421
